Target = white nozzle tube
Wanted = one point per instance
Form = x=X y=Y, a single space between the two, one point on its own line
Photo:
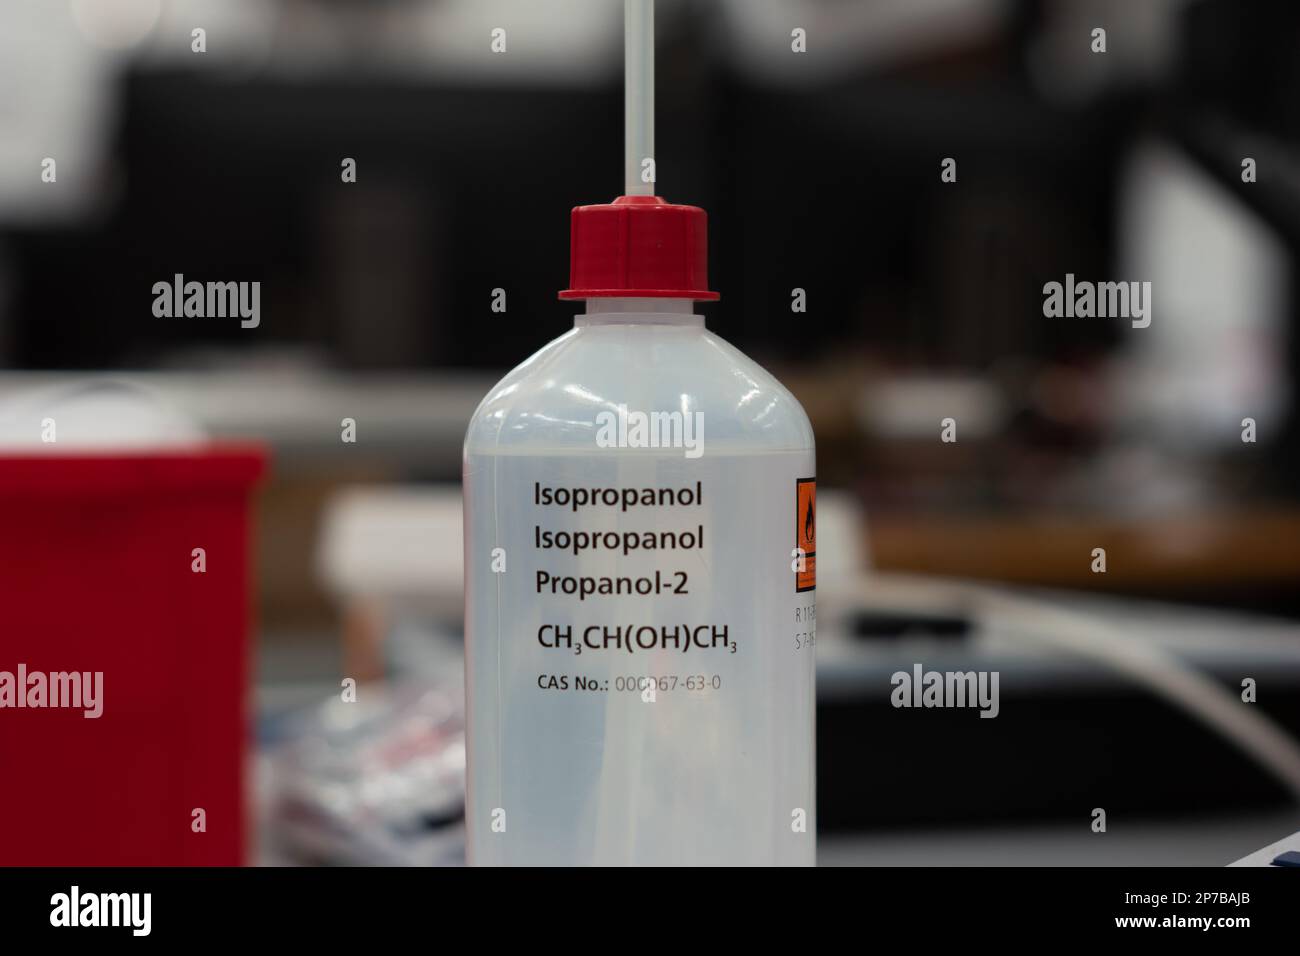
x=638 y=95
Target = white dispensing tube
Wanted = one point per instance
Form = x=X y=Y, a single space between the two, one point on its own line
x=638 y=95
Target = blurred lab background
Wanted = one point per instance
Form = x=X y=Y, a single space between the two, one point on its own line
x=820 y=171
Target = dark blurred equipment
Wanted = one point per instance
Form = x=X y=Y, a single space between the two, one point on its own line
x=1071 y=733
x=243 y=181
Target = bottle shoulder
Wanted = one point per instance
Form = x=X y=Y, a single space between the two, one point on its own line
x=560 y=396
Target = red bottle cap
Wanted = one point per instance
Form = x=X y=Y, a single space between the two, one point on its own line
x=639 y=247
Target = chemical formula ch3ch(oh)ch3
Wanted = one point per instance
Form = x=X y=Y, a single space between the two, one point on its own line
x=640 y=565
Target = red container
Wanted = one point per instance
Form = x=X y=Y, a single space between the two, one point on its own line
x=97 y=575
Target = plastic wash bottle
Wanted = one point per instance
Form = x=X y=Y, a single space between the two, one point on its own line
x=640 y=563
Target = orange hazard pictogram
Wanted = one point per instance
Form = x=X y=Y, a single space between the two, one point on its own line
x=805 y=532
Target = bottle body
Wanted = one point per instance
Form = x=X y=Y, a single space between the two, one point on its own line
x=639 y=505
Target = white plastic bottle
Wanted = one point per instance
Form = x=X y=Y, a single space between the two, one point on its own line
x=640 y=564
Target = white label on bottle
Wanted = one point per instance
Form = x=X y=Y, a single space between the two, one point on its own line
x=640 y=665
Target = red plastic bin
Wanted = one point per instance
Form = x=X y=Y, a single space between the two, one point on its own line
x=96 y=575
